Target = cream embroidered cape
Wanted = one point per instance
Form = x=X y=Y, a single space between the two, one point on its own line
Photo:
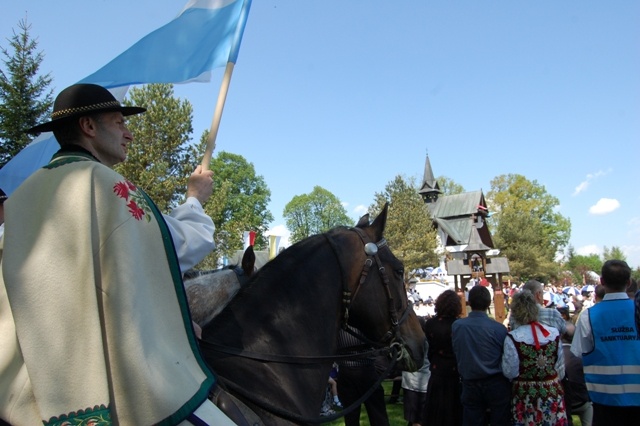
x=94 y=323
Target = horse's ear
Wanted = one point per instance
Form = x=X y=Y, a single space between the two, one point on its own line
x=364 y=221
x=380 y=221
x=248 y=261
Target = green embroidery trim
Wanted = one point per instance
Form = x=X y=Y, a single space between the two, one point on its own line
x=202 y=394
x=58 y=161
x=100 y=415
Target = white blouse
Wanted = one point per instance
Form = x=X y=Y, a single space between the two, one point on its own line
x=510 y=359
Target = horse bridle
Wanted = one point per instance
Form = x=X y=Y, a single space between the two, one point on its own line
x=392 y=336
x=396 y=346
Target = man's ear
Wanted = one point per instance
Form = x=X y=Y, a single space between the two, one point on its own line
x=87 y=125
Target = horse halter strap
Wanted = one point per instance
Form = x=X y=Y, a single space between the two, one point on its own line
x=371 y=250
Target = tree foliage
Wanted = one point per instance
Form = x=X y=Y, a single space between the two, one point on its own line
x=238 y=203
x=409 y=228
x=314 y=213
x=159 y=160
x=25 y=97
x=527 y=227
x=580 y=265
x=613 y=253
x=162 y=157
x=448 y=186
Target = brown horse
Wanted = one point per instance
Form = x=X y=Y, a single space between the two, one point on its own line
x=273 y=345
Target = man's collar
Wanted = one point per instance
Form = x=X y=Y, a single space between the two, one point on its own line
x=72 y=148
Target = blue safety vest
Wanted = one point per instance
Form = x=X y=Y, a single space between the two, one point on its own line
x=612 y=369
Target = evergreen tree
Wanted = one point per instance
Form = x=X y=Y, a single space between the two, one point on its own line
x=409 y=229
x=159 y=159
x=25 y=97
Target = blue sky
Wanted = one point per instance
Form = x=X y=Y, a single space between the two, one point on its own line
x=347 y=94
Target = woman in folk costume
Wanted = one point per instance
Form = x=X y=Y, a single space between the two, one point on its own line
x=533 y=359
x=94 y=322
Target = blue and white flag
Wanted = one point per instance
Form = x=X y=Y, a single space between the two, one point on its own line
x=204 y=36
x=27 y=161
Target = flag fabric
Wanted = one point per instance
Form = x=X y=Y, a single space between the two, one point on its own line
x=248 y=239
x=204 y=36
x=27 y=161
x=274 y=242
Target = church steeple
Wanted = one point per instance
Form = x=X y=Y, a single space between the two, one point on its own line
x=430 y=190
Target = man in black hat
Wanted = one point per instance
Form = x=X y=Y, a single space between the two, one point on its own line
x=94 y=323
x=191 y=229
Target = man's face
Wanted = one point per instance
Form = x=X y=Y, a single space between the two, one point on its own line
x=112 y=138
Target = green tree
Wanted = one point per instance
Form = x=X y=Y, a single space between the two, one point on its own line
x=448 y=186
x=580 y=265
x=613 y=253
x=238 y=203
x=527 y=227
x=522 y=241
x=314 y=213
x=409 y=228
x=25 y=97
x=159 y=160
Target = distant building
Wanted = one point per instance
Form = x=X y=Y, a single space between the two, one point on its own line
x=460 y=220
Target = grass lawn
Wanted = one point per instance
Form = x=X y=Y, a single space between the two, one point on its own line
x=395 y=412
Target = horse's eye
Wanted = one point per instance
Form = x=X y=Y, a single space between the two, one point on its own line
x=399 y=272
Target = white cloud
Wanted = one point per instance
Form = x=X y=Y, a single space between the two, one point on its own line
x=590 y=177
x=581 y=188
x=588 y=250
x=280 y=231
x=604 y=206
x=360 y=210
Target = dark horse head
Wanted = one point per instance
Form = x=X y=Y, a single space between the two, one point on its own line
x=272 y=346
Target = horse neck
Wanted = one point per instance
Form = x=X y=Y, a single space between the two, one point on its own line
x=297 y=318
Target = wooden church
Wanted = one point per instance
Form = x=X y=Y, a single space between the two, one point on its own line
x=460 y=220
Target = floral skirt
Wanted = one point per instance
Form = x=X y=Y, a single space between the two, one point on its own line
x=530 y=406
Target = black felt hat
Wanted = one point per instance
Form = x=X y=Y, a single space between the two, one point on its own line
x=79 y=100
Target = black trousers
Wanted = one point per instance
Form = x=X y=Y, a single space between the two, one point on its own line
x=605 y=415
x=353 y=382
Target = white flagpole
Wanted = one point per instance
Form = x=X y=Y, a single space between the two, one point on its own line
x=217 y=115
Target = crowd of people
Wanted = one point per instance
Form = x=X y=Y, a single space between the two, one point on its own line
x=556 y=356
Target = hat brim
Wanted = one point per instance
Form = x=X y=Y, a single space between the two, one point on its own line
x=53 y=124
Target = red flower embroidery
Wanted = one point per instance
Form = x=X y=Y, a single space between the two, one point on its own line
x=136 y=202
x=136 y=211
x=122 y=190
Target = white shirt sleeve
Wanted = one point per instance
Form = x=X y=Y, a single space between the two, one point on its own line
x=192 y=233
x=560 y=361
x=582 y=338
x=510 y=360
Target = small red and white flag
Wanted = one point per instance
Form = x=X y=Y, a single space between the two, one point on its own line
x=248 y=239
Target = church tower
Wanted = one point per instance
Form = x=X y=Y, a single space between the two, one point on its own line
x=430 y=190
